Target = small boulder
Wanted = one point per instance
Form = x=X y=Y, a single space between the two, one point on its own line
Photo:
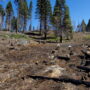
x=54 y=71
x=22 y=42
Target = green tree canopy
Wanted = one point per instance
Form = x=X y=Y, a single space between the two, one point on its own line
x=88 y=26
x=83 y=26
x=14 y=24
x=30 y=14
x=9 y=15
x=9 y=9
x=43 y=12
x=2 y=14
x=58 y=17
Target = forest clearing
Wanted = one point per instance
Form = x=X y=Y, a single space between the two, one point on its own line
x=44 y=45
x=26 y=64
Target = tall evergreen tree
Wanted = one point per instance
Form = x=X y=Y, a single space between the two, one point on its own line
x=9 y=15
x=19 y=16
x=24 y=14
x=14 y=24
x=83 y=26
x=46 y=15
x=30 y=14
x=88 y=26
x=39 y=13
x=58 y=17
x=67 y=23
x=43 y=12
x=22 y=9
x=2 y=14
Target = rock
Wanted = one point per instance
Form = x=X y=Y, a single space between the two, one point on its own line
x=8 y=75
x=22 y=42
x=54 y=71
x=69 y=47
x=88 y=52
x=58 y=47
x=69 y=86
x=52 y=57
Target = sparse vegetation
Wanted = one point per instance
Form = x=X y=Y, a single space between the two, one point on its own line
x=15 y=36
x=19 y=36
x=87 y=37
x=39 y=47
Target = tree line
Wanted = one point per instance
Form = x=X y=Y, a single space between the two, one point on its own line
x=83 y=27
x=58 y=19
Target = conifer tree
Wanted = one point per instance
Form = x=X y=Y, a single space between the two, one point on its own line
x=46 y=16
x=24 y=13
x=22 y=9
x=2 y=14
x=39 y=13
x=43 y=11
x=9 y=15
x=30 y=14
x=14 y=24
x=58 y=17
x=88 y=26
x=83 y=26
x=67 y=23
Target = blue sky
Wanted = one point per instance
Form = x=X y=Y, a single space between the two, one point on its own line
x=79 y=10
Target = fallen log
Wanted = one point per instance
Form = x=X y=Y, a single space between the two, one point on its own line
x=62 y=79
x=84 y=68
x=66 y=58
x=86 y=53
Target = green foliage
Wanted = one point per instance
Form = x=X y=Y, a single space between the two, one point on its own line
x=83 y=26
x=43 y=11
x=67 y=20
x=2 y=12
x=9 y=9
x=9 y=15
x=87 y=37
x=30 y=10
x=30 y=14
x=43 y=8
x=23 y=8
x=15 y=36
x=58 y=15
x=61 y=19
x=14 y=24
x=23 y=14
x=88 y=26
x=52 y=39
x=67 y=23
x=19 y=36
x=39 y=13
x=39 y=9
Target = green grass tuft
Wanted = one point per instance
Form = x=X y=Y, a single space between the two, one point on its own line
x=15 y=36
x=19 y=36
x=87 y=37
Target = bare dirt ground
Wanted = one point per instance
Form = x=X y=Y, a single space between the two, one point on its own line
x=35 y=66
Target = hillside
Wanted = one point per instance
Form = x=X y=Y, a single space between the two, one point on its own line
x=27 y=65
